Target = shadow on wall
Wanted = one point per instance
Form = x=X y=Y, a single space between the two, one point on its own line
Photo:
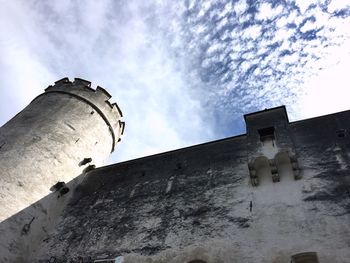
x=24 y=232
x=263 y=169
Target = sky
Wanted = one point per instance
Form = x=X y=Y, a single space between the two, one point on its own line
x=183 y=72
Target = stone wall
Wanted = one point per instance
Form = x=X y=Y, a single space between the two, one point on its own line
x=198 y=203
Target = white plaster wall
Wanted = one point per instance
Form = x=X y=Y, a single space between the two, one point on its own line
x=281 y=225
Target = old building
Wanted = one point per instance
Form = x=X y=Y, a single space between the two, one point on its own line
x=279 y=193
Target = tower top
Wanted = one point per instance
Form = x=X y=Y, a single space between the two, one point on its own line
x=97 y=98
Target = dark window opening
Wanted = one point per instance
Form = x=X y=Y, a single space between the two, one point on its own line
x=341 y=133
x=58 y=186
x=306 y=257
x=85 y=161
x=178 y=166
x=267 y=133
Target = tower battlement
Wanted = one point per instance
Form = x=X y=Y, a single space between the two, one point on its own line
x=97 y=98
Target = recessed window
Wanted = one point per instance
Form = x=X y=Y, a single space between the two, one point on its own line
x=85 y=161
x=305 y=257
x=197 y=261
x=58 y=186
x=267 y=133
x=341 y=133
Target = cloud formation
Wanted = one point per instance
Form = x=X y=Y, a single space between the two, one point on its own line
x=258 y=54
x=183 y=72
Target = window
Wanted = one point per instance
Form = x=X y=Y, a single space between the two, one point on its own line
x=85 y=161
x=267 y=133
x=340 y=133
x=305 y=257
x=267 y=136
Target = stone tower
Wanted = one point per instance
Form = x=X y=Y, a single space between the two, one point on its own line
x=61 y=134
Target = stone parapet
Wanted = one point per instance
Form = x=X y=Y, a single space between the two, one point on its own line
x=97 y=98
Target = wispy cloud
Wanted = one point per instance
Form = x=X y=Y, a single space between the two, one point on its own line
x=182 y=72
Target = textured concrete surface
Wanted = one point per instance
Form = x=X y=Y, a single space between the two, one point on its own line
x=45 y=144
x=198 y=203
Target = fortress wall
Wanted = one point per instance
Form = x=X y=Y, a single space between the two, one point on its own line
x=199 y=203
x=133 y=205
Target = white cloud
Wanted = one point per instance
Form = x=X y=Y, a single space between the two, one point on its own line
x=309 y=25
x=226 y=10
x=283 y=34
x=281 y=22
x=244 y=18
x=240 y=7
x=336 y=5
x=222 y=23
x=245 y=65
x=290 y=59
x=199 y=29
x=285 y=45
x=253 y=31
x=321 y=17
x=120 y=53
x=303 y=5
x=328 y=91
x=225 y=35
x=171 y=65
x=214 y=47
x=204 y=8
x=268 y=12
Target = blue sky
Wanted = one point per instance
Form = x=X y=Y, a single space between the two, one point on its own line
x=183 y=72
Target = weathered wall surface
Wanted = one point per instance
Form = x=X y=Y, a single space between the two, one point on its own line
x=45 y=144
x=199 y=203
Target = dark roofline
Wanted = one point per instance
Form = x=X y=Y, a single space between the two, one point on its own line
x=172 y=151
x=283 y=107
x=216 y=141
x=318 y=117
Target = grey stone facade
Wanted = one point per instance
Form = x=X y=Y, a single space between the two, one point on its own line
x=279 y=193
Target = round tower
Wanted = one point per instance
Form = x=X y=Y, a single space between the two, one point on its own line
x=62 y=133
